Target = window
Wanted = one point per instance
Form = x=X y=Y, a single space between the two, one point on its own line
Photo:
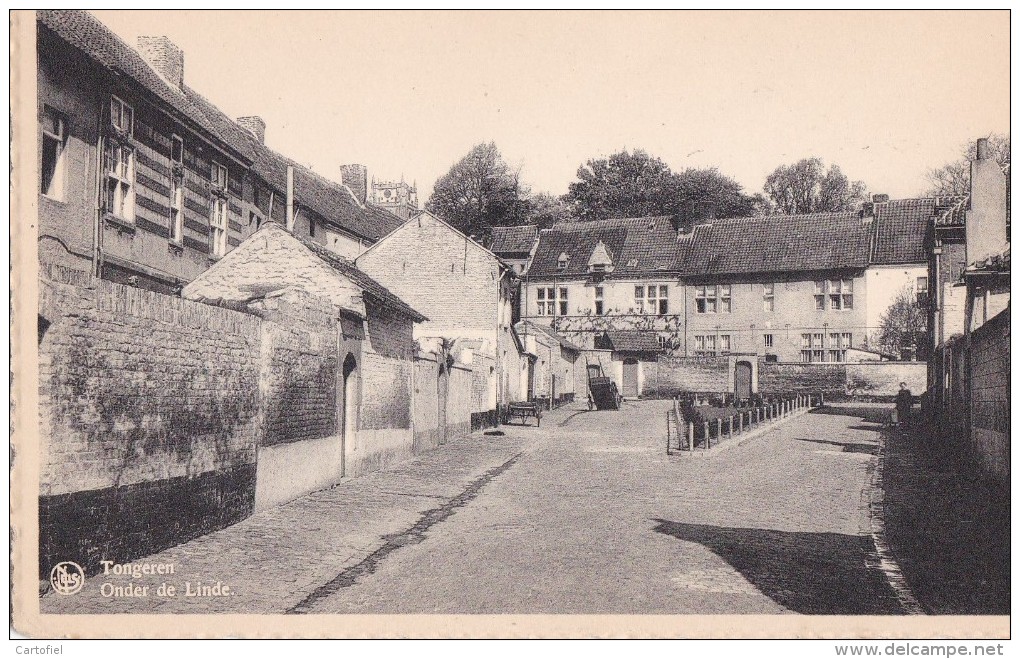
x=768 y=297
x=724 y=343
x=549 y=304
x=218 y=225
x=663 y=300
x=725 y=304
x=122 y=116
x=54 y=137
x=651 y=299
x=176 y=150
x=812 y=347
x=839 y=293
x=219 y=176
x=120 y=181
x=922 y=291
x=599 y=301
x=176 y=209
x=705 y=344
x=563 y=261
x=768 y=341
x=663 y=341
x=706 y=298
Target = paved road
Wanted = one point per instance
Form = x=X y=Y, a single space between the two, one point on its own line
x=585 y=515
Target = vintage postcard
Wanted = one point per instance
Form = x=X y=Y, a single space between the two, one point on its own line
x=426 y=324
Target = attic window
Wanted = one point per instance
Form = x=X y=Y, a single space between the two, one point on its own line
x=632 y=263
x=563 y=261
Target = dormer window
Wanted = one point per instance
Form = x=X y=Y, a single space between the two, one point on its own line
x=219 y=176
x=563 y=261
x=601 y=261
x=122 y=116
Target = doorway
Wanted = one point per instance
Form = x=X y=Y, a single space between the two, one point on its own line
x=348 y=424
x=742 y=381
x=631 y=371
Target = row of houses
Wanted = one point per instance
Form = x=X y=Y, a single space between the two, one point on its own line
x=222 y=329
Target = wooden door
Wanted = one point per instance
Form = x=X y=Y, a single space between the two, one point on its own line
x=742 y=381
x=631 y=368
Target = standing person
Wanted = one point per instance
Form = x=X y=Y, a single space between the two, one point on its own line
x=904 y=401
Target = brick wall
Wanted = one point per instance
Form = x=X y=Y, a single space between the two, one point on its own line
x=883 y=378
x=783 y=378
x=149 y=423
x=299 y=368
x=989 y=404
x=698 y=374
x=387 y=372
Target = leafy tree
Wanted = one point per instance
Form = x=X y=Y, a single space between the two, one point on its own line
x=480 y=191
x=954 y=178
x=806 y=187
x=636 y=184
x=546 y=210
x=903 y=325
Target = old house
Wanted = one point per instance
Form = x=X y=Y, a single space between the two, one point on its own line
x=368 y=385
x=143 y=181
x=556 y=373
x=466 y=291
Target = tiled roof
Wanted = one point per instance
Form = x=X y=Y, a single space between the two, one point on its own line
x=328 y=199
x=366 y=283
x=530 y=327
x=995 y=263
x=642 y=245
x=777 y=243
x=86 y=33
x=632 y=341
x=900 y=227
x=513 y=240
x=951 y=211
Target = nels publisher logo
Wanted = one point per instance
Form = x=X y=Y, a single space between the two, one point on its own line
x=67 y=578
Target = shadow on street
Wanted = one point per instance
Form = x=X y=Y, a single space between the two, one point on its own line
x=812 y=573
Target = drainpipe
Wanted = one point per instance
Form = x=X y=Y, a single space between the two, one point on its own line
x=97 y=223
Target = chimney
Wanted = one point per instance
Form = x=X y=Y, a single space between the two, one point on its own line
x=879 y=198
x=355 y=177
x=986 y=218
x=165 y=57
x=254 y=125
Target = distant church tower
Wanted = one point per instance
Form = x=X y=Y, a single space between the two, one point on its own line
x=398 y=198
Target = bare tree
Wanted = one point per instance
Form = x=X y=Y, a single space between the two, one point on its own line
x=954 y=178
x=903 y=325
x=806 y=187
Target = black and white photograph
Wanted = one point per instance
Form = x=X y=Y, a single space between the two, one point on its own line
x=513 y=324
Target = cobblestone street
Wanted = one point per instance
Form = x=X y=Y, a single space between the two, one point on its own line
x=583 y=515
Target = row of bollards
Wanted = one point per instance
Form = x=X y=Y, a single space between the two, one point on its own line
x=735 y=424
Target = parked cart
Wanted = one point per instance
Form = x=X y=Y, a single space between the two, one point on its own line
x=602 y=391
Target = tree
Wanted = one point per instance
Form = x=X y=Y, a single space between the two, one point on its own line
x=806 y=187
x=480 y=191
x=636 y=184
x=954 y=178
x=903 y=325
x=546 y=210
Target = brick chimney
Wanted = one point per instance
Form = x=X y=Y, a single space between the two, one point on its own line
x=254 y=125
x=355 y=177
x=986 y=218
x=165 y=57
x=879 y=198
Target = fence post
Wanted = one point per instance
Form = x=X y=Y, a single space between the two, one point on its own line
x=718 y=428
x=707 y=444
x=690 y=445
x=740 y=428
x=667 y=431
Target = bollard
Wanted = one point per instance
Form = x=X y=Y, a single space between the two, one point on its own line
x=730 y=434
x=740 y=428
x=757 y=416
x=718 y=428
x=690 y=437
x=706 y=435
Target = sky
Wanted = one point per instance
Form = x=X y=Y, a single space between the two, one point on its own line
x=885 y=95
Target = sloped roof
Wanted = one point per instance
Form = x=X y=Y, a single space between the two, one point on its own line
x=513 y=240
x=951 y=211
x=900 y=227
x=528 y=326
x=777 y=243
x=328 y=199
x=349 y=270
x=86 y=33
x=641 y=245
x=632 y=341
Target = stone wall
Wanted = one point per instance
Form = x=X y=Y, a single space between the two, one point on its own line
x=989 y=404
